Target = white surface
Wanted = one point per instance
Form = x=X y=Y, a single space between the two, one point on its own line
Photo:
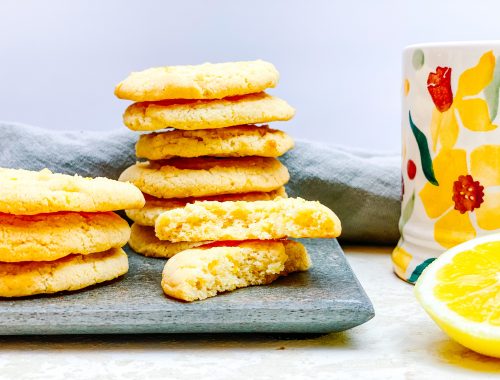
x=339 y=60
x=401 y=342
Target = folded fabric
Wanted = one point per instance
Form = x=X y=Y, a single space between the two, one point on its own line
x=362 y=188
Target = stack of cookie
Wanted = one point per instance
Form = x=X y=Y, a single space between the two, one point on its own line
x=212 y=149
x=58 y=232
x=213 y=184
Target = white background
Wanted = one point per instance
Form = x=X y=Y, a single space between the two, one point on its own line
x=339 y=60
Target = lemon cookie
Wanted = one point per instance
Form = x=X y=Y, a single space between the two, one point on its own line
x=199 y=273
x=240 y=220
x=24 y=192
x=46 y=237
x=205 y=81
x=147 y=215
x=203 y=176
x=68 y=273
x=238 y=141
x=298 y=259
x=143 y=241
x=207 y=114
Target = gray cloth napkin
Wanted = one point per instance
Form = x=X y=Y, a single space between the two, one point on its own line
x=362 y=188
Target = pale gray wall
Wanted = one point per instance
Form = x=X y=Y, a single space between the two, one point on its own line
x=339 y=60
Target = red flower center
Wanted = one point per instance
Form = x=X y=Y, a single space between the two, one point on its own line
x=467 y=194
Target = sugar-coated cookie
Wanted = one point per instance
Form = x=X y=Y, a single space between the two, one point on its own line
x=205 y=81
x=240 y=220
x=143 y=241
x=46 y=237
x=24 y=192
x=199 y=273
x=238 y=141
x=204 y=176
x=147 y=215
x=207 y=114
x=68 y=273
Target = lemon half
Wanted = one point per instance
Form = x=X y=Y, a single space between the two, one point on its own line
x=460 y=290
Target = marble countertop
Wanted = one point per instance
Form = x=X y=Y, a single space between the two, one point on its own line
x=401 y=342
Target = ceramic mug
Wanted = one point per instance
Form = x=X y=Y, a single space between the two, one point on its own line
x=450 y=152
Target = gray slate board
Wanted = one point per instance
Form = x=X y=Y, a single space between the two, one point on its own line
x=325 y=299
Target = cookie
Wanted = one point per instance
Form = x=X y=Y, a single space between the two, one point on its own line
x=143 y=241
x=147 y=215
x=298 y=259
x=68 y=273
x=204 y=176
x=24 y=192
x=207 y=114
x=240 y=220
x=199 y=273
x=206 y=81
x=238 y=141
x=47 y=237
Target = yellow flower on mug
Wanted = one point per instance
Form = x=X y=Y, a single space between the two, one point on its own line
x=466 y=106
x=464 y=194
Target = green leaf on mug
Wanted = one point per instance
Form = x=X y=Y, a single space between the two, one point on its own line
x=491 y=92
x=406 y=213
x=418 y=59
x=419 y=269
x=425 y=155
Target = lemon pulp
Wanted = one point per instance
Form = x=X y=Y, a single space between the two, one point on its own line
x=470 y=284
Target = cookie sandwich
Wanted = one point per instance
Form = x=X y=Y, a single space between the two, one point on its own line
x=59 y=232
x=250 y=243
